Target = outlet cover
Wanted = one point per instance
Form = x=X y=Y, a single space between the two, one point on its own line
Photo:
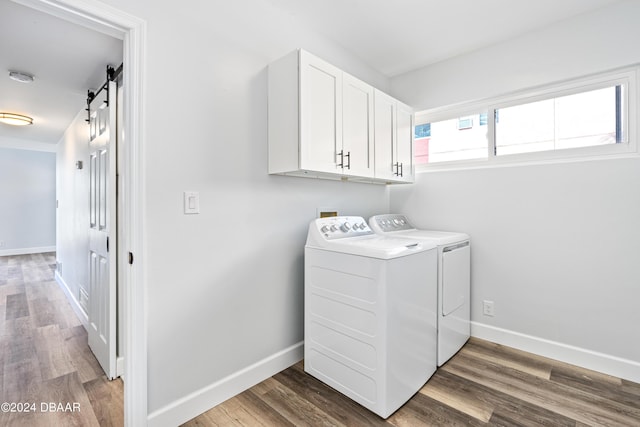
x=324 y=212
x=488 y=308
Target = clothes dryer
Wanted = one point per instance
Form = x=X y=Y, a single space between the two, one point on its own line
x=370 y=312
x=454 y=278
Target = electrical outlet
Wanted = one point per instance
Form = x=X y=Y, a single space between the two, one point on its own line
x=324 y=212
x=487 y=308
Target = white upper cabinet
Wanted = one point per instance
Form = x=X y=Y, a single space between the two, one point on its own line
x=404 y=142
x=320 y=114
x=385 y=135
x=393 y=132
x=321 y=121
x=357 y=127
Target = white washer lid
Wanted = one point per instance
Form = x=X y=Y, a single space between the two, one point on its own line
x=398 y=225
x=440 y=238
x=375 y=246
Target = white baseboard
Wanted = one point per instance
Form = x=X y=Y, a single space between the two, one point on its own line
x=600 y=362
x=206 y=398
x=73 y=301
x=27 y=251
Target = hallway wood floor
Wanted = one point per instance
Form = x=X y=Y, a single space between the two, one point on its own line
x=485 y=384
x=46 y=364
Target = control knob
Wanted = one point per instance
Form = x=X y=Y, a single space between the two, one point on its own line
x=324 y=229
x=345 y=227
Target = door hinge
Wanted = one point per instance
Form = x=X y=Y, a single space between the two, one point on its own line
x=130 y=258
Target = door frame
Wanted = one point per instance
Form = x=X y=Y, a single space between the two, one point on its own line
x=131 y=30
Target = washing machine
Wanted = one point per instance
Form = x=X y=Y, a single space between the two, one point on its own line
x=369 y=312
x=454 y=278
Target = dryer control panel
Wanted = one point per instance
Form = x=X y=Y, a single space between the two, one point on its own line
x=340 y=227
x=391 y=222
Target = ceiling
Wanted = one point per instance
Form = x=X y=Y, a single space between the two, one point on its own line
x=66 y=60
x=392 y=37
x=396 y=36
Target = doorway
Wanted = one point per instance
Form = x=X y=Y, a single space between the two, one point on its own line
x=104 y=19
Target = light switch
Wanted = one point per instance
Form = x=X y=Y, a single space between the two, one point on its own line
x=191 y=202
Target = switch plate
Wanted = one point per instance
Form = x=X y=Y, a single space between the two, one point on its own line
x=191 y=202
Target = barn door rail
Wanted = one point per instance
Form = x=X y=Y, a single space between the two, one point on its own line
x=112 y=74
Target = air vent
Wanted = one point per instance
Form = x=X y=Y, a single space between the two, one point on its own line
x=83 y=299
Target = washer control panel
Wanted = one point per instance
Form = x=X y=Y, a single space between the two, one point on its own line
x=339 y=227
x=391 y=222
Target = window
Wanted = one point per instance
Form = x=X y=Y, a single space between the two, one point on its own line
x=423 y=131
x=421 y=138
x=588 y=116
x=453 y=139
x=465 y=122
x=584 y=119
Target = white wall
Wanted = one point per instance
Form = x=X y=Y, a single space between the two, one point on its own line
x=73 y=206
x=28 y=200
x=555 y=246
x=225 y=287
x=593 y=42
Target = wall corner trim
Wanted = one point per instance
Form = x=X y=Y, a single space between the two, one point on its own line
x=588 y=359
x=206 y=398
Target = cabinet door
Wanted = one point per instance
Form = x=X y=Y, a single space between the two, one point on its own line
x=404 y=142
x=320 y=114
x=357 y=130
x=385 y=135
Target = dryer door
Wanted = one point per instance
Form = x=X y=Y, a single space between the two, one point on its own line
x=456 y=277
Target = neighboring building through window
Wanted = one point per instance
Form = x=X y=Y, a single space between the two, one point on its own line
x=421 y=136
x=453 y=139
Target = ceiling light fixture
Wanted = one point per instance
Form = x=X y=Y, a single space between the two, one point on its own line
x=21 y=77
x=15 y=119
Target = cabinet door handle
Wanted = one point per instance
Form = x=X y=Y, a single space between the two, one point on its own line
x=401 y=169
x=348 y=156
x=341 y=154
x=397 y=166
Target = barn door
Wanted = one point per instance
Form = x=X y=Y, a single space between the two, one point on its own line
x=102 y=228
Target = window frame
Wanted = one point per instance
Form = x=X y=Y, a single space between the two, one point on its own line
x=628 y=77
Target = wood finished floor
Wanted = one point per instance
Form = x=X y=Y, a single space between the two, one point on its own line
x=44 y=356
x=485 y=384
